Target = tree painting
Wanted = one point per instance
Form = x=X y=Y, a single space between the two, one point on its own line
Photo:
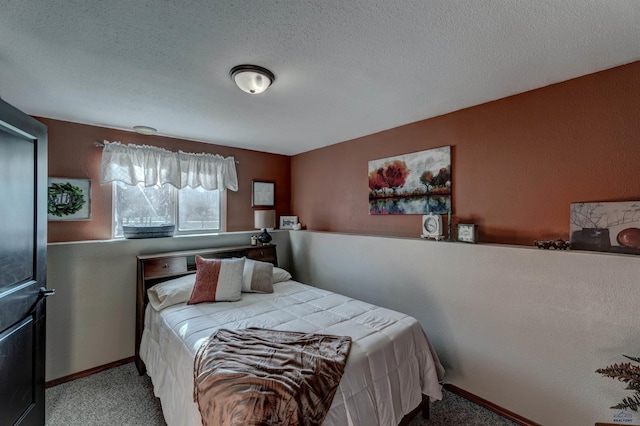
x=376 y=181
x=415 y=183
x=426 y=178
x=392 y=175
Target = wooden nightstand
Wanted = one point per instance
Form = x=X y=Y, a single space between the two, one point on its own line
x=263 y=254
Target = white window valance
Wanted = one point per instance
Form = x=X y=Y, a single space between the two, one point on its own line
x=134 y=164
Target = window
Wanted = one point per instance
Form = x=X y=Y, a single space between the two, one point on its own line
x=198 y=210
x=194 y=211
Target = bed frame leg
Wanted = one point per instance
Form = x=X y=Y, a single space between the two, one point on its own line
x=425 y=407
x=422 y=408
x=142 y=369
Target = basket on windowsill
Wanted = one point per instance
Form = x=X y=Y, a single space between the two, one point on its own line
x=148 y=231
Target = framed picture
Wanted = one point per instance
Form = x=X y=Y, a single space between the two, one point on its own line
x=69 y=199
x=606 y=226
x=287 y=222
x=414 y=183
x=263 y=194
x=467 y=233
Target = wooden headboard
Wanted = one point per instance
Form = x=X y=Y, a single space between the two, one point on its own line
x=156 y=268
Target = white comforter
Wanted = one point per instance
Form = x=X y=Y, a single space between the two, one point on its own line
x=390 y=366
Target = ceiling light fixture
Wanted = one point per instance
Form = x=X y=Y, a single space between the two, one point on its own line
x=145 y=130
x=252 y=79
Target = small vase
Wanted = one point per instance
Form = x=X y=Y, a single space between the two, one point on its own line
x=596 y=239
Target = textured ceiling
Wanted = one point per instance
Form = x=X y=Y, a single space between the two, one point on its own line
x=343 y=69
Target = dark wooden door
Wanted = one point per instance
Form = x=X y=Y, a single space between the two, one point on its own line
x=23 y=251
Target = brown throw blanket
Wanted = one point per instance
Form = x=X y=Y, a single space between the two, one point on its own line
x=267 y=377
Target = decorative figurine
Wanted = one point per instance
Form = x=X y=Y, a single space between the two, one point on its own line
x=558 y=244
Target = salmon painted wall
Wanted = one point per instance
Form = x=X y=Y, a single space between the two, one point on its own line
x=72 y=154
x=517 y=163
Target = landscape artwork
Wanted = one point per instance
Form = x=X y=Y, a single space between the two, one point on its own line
x=611 y=226
x=415 y=183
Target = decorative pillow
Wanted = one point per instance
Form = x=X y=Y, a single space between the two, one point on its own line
x=171 y=292
x=257 y=277
x=217 y=280
x=280 y=274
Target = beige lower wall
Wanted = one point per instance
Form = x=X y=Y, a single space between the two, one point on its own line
x=91 y=318
x=521 y=327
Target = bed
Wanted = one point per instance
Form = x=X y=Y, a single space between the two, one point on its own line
x=391 y=374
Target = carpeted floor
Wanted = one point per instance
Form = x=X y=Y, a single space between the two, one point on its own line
x=121 y=397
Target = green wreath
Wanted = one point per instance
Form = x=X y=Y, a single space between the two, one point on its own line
x=64 y=199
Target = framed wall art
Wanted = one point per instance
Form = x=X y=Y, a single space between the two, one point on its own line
x=68 y=199
x=607 y=226
x=467 y=233
x=288 y=222
x=263 y=194
x=415 y=183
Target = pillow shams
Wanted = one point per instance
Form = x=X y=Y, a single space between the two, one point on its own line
x=171 y=292
x=178 y=290
x=280 y=274
x=217 y=280
x=257 y=277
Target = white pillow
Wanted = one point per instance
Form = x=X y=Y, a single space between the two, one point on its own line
x=171 y=292
x=280 y=274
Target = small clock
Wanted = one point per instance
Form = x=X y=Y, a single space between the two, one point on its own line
x=432 y=226
x=467 y=233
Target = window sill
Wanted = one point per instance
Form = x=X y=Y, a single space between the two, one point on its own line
x=175 y=237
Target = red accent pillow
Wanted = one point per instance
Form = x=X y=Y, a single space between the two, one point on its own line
x=217 y=280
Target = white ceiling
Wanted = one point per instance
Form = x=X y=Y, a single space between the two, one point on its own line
x=344 y=69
